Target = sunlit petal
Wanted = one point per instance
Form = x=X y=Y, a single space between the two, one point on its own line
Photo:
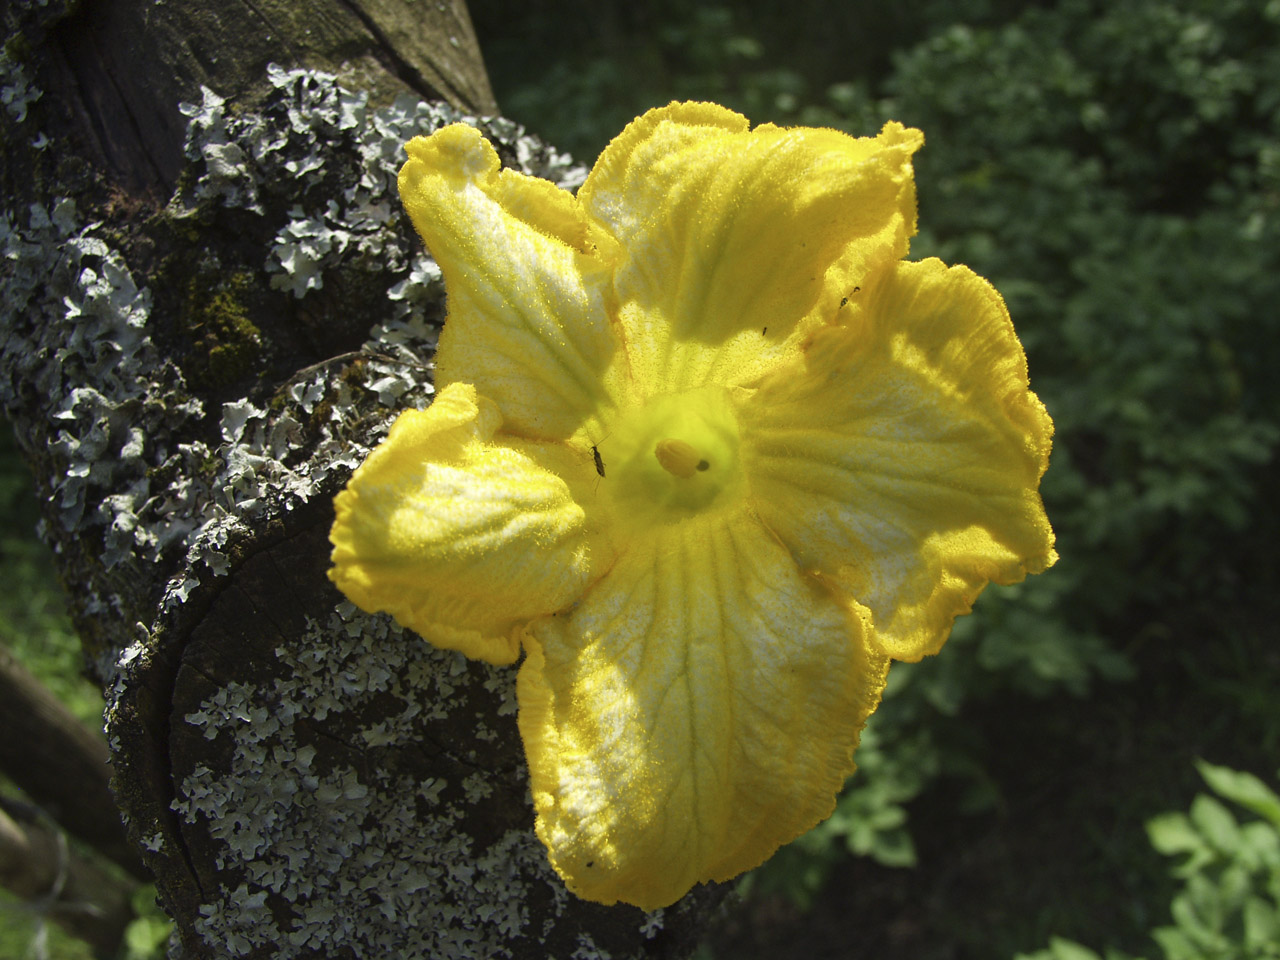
x=730 y=235
x=697 y=709
x=527 y=278
x=458 y=538
x=902 y=457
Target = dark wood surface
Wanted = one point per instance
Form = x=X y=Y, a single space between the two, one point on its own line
x=301 y=780
x=119 y=69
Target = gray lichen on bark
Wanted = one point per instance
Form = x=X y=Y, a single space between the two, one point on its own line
x=193 y=383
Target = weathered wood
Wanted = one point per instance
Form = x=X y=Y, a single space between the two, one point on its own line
x=39 y=866
x=193 y=376
x=59 y=764
x=121 y=68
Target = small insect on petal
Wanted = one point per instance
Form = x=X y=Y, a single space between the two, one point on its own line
x=595 y=453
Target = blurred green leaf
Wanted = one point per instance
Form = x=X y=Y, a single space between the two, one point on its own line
x=1215 y=823
x=1243 y=788
x=1173 y=834
x=1261 y=927
x=1061 y=949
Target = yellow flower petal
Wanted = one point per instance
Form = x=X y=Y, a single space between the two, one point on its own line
x=902 y=458
x=456 y=537
x=729 y=458
x=730 y=235
x=696 y=710
x=527 y=276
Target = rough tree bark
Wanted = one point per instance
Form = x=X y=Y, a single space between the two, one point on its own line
x=213 y=309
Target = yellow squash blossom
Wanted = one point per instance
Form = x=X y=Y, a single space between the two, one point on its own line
x=711 y=453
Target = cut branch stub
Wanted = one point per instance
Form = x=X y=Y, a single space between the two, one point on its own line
x=340 y=788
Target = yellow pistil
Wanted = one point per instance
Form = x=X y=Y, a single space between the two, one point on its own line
x=673 y=457
x=679 y=458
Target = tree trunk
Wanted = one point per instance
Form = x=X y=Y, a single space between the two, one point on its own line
x=212 y=313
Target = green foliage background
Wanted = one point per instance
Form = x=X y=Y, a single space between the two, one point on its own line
x=35 y=627
x=1114 y=169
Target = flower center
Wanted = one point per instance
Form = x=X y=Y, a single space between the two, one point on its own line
x=679 y=458
x=675 y=456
